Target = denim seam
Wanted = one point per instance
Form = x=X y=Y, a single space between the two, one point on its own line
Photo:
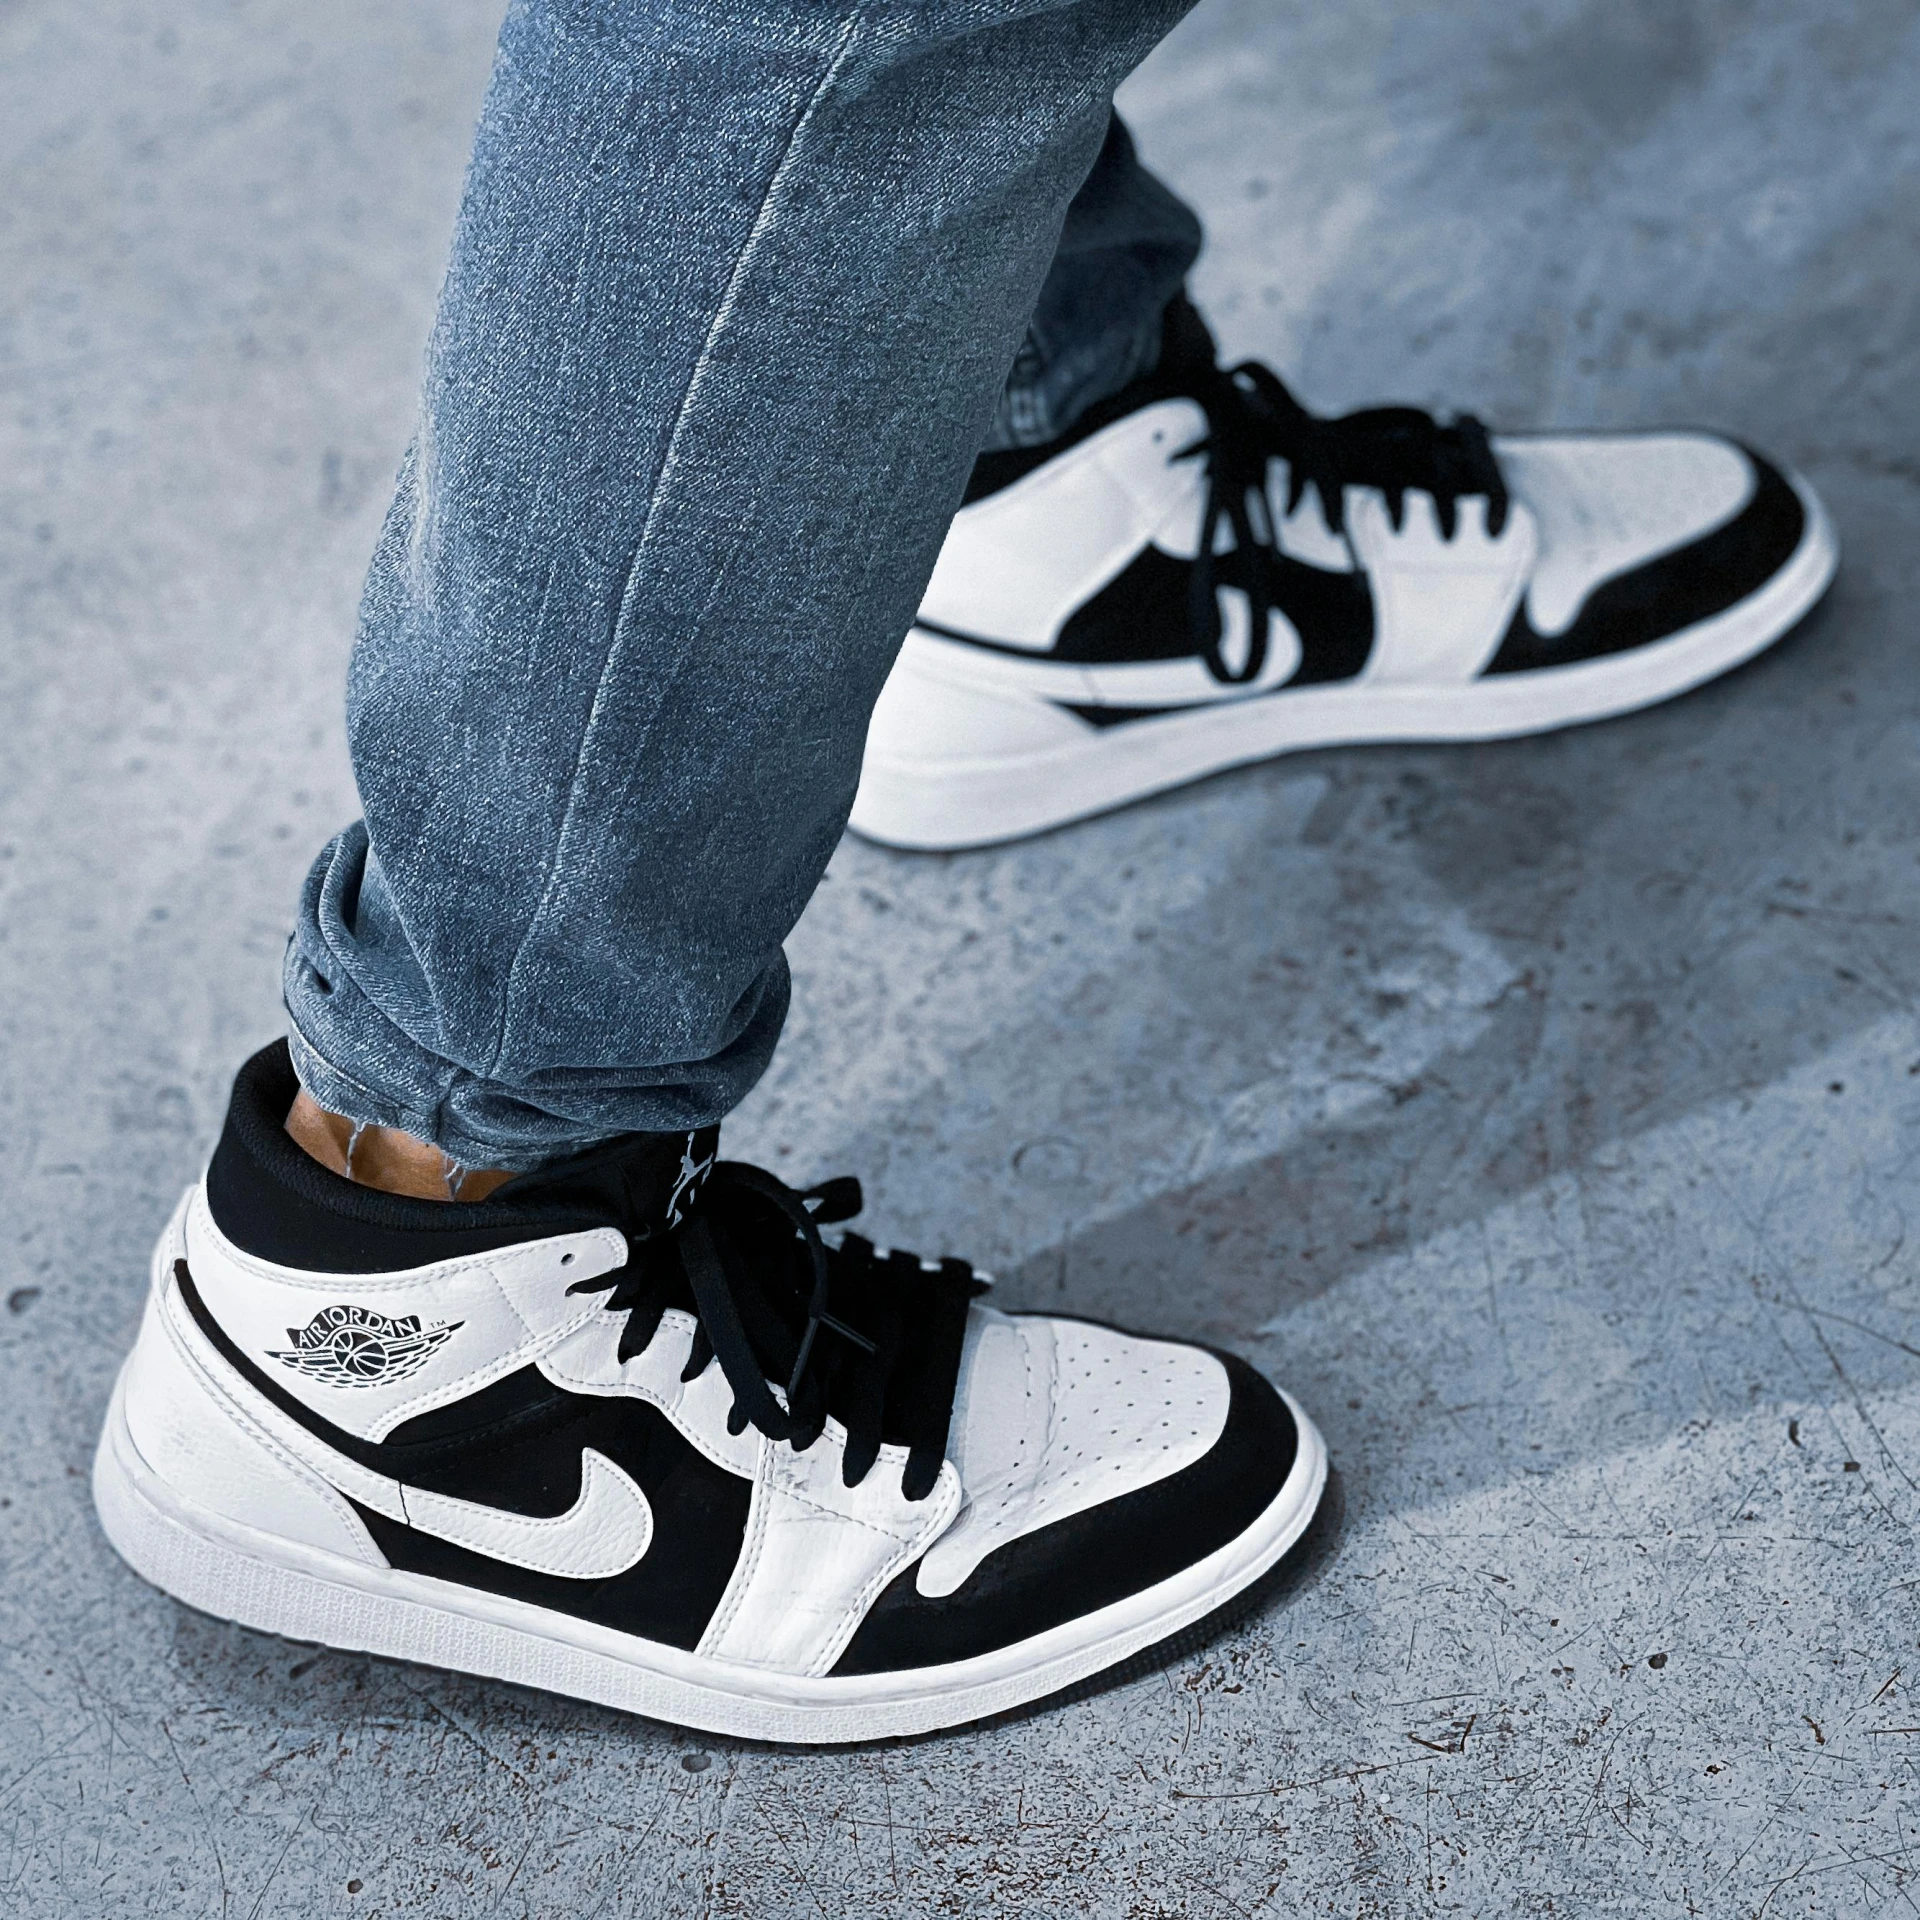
x=429 y=1117
x=762 y=221
x=353 y=1080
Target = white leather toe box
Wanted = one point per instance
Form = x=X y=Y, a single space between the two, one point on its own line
x=1608 y=503
x=1054 y=1416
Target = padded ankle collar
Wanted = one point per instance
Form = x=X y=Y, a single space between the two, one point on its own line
x=277 y=1203
x=1187 y=353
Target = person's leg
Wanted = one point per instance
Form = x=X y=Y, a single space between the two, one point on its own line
x=730 y=307
x=731 y=300
x=1124 y=254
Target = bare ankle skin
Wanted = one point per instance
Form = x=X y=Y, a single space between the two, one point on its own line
x=384 y=1157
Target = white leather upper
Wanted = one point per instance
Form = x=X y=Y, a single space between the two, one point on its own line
x=1440 y=606
x=1304 y=534
x=506 y=1308
x=202 y=1440
x=1018 y=564
x=588 y=1361
x=607 y=1529
x=816 y=1551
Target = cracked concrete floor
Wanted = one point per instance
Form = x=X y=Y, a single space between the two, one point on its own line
x=1544 y=1114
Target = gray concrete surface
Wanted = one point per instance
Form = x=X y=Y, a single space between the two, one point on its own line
x=1545 y=1114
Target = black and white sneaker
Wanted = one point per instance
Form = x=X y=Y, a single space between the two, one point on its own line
x=1202 y=573
x=539 y=1437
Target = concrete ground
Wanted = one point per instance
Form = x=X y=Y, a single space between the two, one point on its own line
x=1544 y=1114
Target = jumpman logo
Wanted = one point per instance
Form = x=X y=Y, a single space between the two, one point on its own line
x=692 y=1173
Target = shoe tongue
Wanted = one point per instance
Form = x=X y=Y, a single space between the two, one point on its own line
x=646 y=1183
x=1188 y=351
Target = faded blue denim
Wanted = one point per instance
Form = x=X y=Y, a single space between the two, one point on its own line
x=733 y=297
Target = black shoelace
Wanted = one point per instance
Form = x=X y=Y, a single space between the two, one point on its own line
x=1251 y=420
x=871 y=1337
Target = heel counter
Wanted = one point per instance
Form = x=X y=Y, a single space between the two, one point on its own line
x=207 y=1451
x=946 y=704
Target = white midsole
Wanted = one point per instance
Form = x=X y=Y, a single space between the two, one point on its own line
x=929 y=804
x=281 y=1586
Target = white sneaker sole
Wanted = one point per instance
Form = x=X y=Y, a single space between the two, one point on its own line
x=279 y=1586
x=933 y=805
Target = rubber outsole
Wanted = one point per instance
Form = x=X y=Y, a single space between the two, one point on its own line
x=238 y=1573
x=924 y=805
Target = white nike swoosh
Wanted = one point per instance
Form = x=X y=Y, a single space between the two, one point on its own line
x=607 y=1529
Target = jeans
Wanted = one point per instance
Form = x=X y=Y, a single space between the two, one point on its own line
x=734 y=294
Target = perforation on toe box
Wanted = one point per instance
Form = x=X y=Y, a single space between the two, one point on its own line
x=1057 y=1416
x=1120 y=1406
x=1609 y=503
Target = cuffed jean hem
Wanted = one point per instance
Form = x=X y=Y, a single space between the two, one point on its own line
x=1124 y=255
x=340 y=1093
x=356 y=1059
x=1045 y=395
x=480 y=1123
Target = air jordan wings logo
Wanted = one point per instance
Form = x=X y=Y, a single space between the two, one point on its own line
x=606 y=1530
x=354 y=1347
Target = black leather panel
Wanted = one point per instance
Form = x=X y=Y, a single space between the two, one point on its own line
x=699 y=1518
x=1141 y=614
